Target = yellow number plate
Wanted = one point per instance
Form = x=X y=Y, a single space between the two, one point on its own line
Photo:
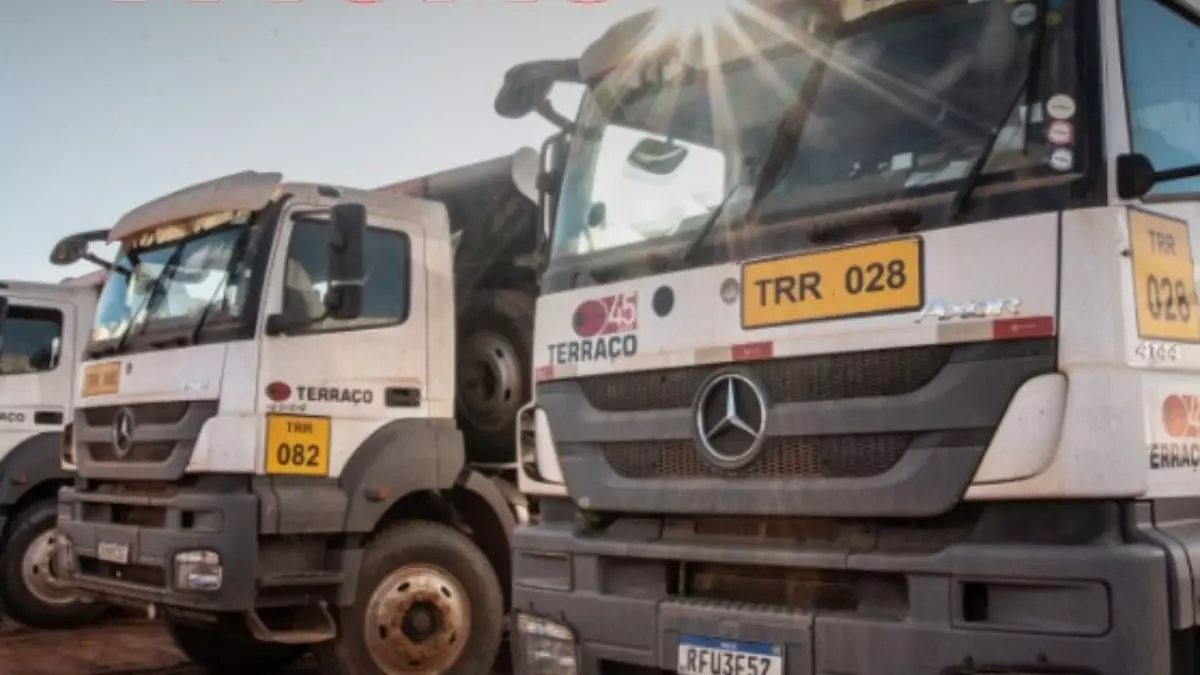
x=879 y=278
x=101 y=379
x=298 y=445
x=1164 y=283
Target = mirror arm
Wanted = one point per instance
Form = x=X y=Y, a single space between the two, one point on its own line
x=99 y=262
x=547 y=111
x=1181 y=173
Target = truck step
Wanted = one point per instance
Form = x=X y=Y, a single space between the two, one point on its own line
x=290 y=579
x=309 y=625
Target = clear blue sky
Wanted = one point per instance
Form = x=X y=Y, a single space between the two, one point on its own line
x=108 y=104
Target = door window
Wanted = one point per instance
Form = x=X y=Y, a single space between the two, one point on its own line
x=31 y=340
x=1162 y=83
x=386 y=286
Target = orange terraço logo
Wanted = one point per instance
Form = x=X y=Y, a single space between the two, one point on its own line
x=1181 y=416
x=1181 y=420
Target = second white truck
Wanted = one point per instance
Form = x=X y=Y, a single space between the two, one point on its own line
x=295 y=421
x=43 y=327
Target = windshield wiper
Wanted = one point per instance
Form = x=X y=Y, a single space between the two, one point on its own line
x=709 y=224
x=150 y=302
x=959 y=203
x=235 y=261
x=780 y=150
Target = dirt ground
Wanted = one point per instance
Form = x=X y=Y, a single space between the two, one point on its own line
x=120 y=646
x=115 y=647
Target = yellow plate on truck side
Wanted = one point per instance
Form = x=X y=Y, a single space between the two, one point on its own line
x=101 y=379
x=1164 y=283
x=878 y=278
x=298 y=445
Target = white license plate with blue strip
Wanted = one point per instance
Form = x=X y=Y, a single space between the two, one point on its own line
x=714 y=656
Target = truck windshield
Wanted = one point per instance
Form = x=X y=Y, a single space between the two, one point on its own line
x=168 y=288
x=891 y=108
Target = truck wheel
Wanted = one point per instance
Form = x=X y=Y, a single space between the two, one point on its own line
x=427 y=602
x=494 y=344
x=31 y=590
x=230 y=651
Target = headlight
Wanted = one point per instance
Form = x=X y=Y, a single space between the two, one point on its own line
x=198 y=571
x=547 y=647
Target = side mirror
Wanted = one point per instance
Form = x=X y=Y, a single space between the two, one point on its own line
x=551 y=161
x=659 y=158
x=1135 y=176
x=527 y=87
x=343 y=300
x=68 y=252
x=3 y=316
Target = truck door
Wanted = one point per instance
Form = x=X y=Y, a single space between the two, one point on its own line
x=35 y=388
x=326 y=384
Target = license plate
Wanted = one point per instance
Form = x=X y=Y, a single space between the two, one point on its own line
x=113 y=553
x=298 y=445
x=713 y=656
x=854 y=281
x=101 y=379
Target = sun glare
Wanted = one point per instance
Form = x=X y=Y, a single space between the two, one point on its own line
x=683 y=18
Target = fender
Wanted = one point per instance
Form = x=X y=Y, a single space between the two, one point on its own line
x=34 y=461
x=489 y=490
x=401 y=457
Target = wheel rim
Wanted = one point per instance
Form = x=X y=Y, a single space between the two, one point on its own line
x=490 y=386
x=39 y=573
x=418 y=621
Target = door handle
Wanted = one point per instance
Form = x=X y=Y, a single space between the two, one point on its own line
x=402 y=397
x=47 y=417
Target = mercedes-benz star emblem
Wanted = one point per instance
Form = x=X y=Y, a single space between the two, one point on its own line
x=122 y=433
x=731 y=420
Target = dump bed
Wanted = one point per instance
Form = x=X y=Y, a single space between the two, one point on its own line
x=493 y=214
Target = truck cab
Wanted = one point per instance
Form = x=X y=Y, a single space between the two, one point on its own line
x=42 y=330
x=295 y=419
x=867 y=343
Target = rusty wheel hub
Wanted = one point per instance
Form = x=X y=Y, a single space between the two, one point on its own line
x=417 y=621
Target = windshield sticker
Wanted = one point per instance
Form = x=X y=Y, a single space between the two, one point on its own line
x=1060 y=107
x=1023 y=15
x=607 y=330
x=1180 y=421
x=1062 y=159
x=1060 y=133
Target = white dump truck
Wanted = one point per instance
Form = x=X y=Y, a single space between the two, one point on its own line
x=868 y=343
x=43 y=327
x=295 y=423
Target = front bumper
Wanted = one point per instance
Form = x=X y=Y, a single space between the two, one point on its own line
x=152 y=530
x=967 y=608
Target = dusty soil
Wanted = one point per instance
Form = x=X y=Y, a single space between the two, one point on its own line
x=112 y=647
x=115 y=647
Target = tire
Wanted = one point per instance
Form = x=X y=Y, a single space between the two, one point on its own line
x=495 y=342
x=225 y=650
x=30 y=592
x=398 y=565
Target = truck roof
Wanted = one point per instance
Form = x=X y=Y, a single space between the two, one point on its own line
x=197 y=206
x=66 y=286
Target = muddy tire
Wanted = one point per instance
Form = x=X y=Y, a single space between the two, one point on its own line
x=427 y=601
x=494 y=349
x=31 y=592
x=224 y=650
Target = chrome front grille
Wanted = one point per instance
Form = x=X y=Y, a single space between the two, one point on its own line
x=860 y=456
x=889 y=372
x=161 y=440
